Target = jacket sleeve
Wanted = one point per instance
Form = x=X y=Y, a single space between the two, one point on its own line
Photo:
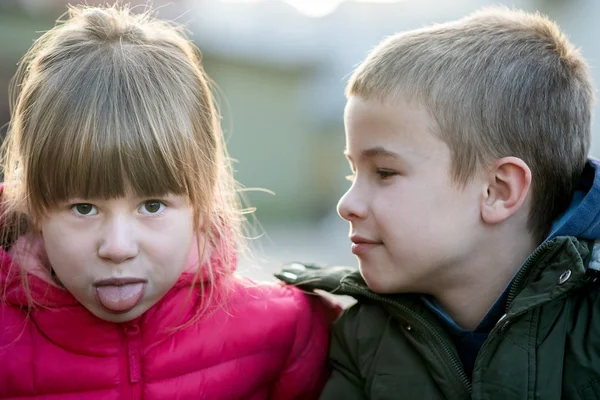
x=345 y=381
x=306 y=369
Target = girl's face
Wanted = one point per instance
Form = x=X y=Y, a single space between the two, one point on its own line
x=118 y=257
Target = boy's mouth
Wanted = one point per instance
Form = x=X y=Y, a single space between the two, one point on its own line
x=361 y=245
x=120 y=295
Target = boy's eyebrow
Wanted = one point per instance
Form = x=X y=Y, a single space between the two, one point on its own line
x=374 y=152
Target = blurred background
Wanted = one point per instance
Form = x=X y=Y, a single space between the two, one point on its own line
x=280 y=67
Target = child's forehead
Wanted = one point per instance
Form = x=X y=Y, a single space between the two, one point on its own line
x=398 y=110
x=389 y=128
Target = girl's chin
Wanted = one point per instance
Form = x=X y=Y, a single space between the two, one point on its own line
x=120 y=317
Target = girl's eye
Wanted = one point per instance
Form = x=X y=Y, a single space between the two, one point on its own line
x=385 y=173
x=152 y=207
x=84 y=209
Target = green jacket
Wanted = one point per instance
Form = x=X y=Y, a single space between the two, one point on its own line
x=547 y=346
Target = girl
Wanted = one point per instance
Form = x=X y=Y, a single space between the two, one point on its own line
x=120 y=226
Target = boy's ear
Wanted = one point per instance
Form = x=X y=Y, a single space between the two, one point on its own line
x=507 y=188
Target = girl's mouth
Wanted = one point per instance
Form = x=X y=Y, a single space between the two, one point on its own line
x=120 y=295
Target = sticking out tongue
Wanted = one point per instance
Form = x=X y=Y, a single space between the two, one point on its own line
x=120 y=298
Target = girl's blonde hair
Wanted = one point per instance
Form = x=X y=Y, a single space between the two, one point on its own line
x=109 y=101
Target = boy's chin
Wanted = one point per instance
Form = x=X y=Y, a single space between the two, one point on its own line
x=379 y=283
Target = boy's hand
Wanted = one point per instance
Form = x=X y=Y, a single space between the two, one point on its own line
x=309 y=276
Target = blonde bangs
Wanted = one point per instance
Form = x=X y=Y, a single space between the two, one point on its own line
x=112 y=127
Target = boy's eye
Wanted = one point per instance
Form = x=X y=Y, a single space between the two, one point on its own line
x=385 y=173
x=84 y=209
x=152 y=207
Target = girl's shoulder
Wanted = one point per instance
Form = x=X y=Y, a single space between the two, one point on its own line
x=247 y=291
x=277 y=300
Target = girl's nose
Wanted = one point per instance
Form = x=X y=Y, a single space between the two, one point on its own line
x=118 y=242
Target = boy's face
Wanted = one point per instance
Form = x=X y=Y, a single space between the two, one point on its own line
x=118 y=257
x=410 y=224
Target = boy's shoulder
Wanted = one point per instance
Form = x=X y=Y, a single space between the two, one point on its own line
x=337 y=280
x=340 y=280
x=370 y=309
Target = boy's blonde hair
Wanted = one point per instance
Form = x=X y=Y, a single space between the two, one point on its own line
x=497 y=83
x=109 y=101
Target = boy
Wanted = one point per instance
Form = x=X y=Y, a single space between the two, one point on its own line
x=473 y=212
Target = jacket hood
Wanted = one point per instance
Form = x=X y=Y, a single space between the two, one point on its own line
x=582 y=218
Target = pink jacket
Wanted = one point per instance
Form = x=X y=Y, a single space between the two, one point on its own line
x=264 y=342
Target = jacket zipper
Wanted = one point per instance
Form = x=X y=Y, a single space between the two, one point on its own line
x=133 y=364
x=517 y=283
x=514 y=289
x=516 y=286
x=456 y=364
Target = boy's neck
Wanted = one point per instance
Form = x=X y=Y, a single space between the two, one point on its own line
x=471 y=293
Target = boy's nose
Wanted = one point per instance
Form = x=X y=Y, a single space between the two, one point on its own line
x=351 y=207
x=117 y=243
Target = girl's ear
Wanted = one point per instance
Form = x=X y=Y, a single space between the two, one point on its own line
x=508 y=185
